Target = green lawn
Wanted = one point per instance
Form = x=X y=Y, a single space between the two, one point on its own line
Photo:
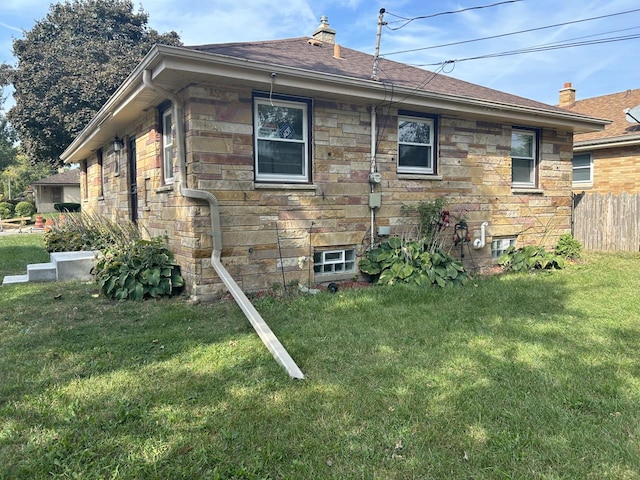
x=510 y=377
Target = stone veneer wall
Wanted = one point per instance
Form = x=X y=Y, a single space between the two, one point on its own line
x=270 y=228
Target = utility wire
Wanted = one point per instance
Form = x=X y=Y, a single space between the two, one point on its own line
x=541 y=48
x=407 y=21
x=513 y=33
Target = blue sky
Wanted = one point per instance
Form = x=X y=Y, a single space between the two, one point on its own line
x=593 y=70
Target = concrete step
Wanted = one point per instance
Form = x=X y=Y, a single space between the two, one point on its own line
x=74 y=265
x=41 y=272
x=10 y=279
x=63 y=266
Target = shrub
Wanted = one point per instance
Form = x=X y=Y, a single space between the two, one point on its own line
x=568 y=247
x=67 y=207
x=528 y=259
x=397 y=261
x=6 y=210
x=25 y=209
x=138 y=270
x=433 y=220
x=83 y=231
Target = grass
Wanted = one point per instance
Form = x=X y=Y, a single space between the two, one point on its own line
x=18 y=250
x=511 y=377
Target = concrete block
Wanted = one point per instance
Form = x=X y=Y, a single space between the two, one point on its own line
x=74 y=265
x=10 y=279
x=41 y=272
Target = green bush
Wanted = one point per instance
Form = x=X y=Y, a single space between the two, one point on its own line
x=397 y=261
x=67 y=207
x=6 y=210
x=138 y=270
x=25 y=209
x=568 y=247
x=83 y=231
x=528 y=259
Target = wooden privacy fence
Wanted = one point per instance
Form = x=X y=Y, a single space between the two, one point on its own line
x=607 y=222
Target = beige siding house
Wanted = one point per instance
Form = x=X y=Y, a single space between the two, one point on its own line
x=284 y=161
x=63 y=187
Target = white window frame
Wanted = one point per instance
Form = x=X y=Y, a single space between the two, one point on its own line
x=430 y=169
x=500 y=245
x=167 y=146
x=588 y=167
x=533 y=159
x=334 y=262
x=303 y=177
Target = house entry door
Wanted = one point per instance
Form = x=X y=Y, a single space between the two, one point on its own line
x=133 y=181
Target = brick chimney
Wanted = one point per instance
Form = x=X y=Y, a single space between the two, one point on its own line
x=567 y=96
x=324 y=33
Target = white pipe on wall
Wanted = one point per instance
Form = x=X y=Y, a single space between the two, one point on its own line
x=259 y=325
x=479 y=243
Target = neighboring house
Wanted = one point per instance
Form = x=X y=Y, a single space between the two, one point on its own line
x=63 y=187
x=283 y=161
x=606 y=161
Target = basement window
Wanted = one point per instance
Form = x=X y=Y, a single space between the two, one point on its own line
x=332 y=262
x=500 y=245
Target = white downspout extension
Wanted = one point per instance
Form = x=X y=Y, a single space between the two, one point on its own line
x=479 y=243
x=259 y=325
x=373 y=166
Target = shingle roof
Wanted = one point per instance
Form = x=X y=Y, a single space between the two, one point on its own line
x=68 y=177
x=610 y=107
x=307 y=54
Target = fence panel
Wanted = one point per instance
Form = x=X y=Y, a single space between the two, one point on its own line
x=607 y=222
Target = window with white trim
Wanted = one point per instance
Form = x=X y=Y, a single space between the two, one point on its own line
x=582 y=168
x=416 y=137
x=524 y=158
x=331 y=262
x=167 y=146
x=500 y=245
x=281 y=132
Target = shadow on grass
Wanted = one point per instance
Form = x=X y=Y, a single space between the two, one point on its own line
x=498 y=380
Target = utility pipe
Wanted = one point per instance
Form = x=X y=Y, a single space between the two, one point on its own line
x=479 y=243
x=373 y=167
x=259 y=325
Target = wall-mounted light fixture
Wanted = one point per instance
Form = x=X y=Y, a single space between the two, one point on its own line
x=117 y=144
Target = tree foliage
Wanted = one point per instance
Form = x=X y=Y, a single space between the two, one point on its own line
x=18 y=176
x=8 y=138
x=69 y=64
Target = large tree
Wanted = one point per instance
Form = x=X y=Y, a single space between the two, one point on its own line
x=8 y=138
x=69 y=64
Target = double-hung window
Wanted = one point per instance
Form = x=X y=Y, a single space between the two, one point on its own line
x=416 y=138
x=524 y=158
x=281 y=140
x=167 y=146
x=582 y=168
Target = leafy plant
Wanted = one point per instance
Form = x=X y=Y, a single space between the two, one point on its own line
x=528 y=259
x=568 y=247
x=25 y=209
x=399 y=261
x=86 y=231
x=67 y=207
x=138 y=270
x=433 y=219
x=6 y=210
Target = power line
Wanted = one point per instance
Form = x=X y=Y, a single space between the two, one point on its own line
x=407 y=21
x=513 y=33
x=540 y=48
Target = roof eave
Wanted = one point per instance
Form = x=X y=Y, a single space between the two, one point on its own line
x=170 y=64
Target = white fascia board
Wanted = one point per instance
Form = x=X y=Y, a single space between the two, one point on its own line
x=602 y=144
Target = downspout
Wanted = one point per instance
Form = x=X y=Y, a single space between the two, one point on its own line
x=260 y=326
x=373 y=167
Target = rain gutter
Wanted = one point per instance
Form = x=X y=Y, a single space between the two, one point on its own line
x=260 y=326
